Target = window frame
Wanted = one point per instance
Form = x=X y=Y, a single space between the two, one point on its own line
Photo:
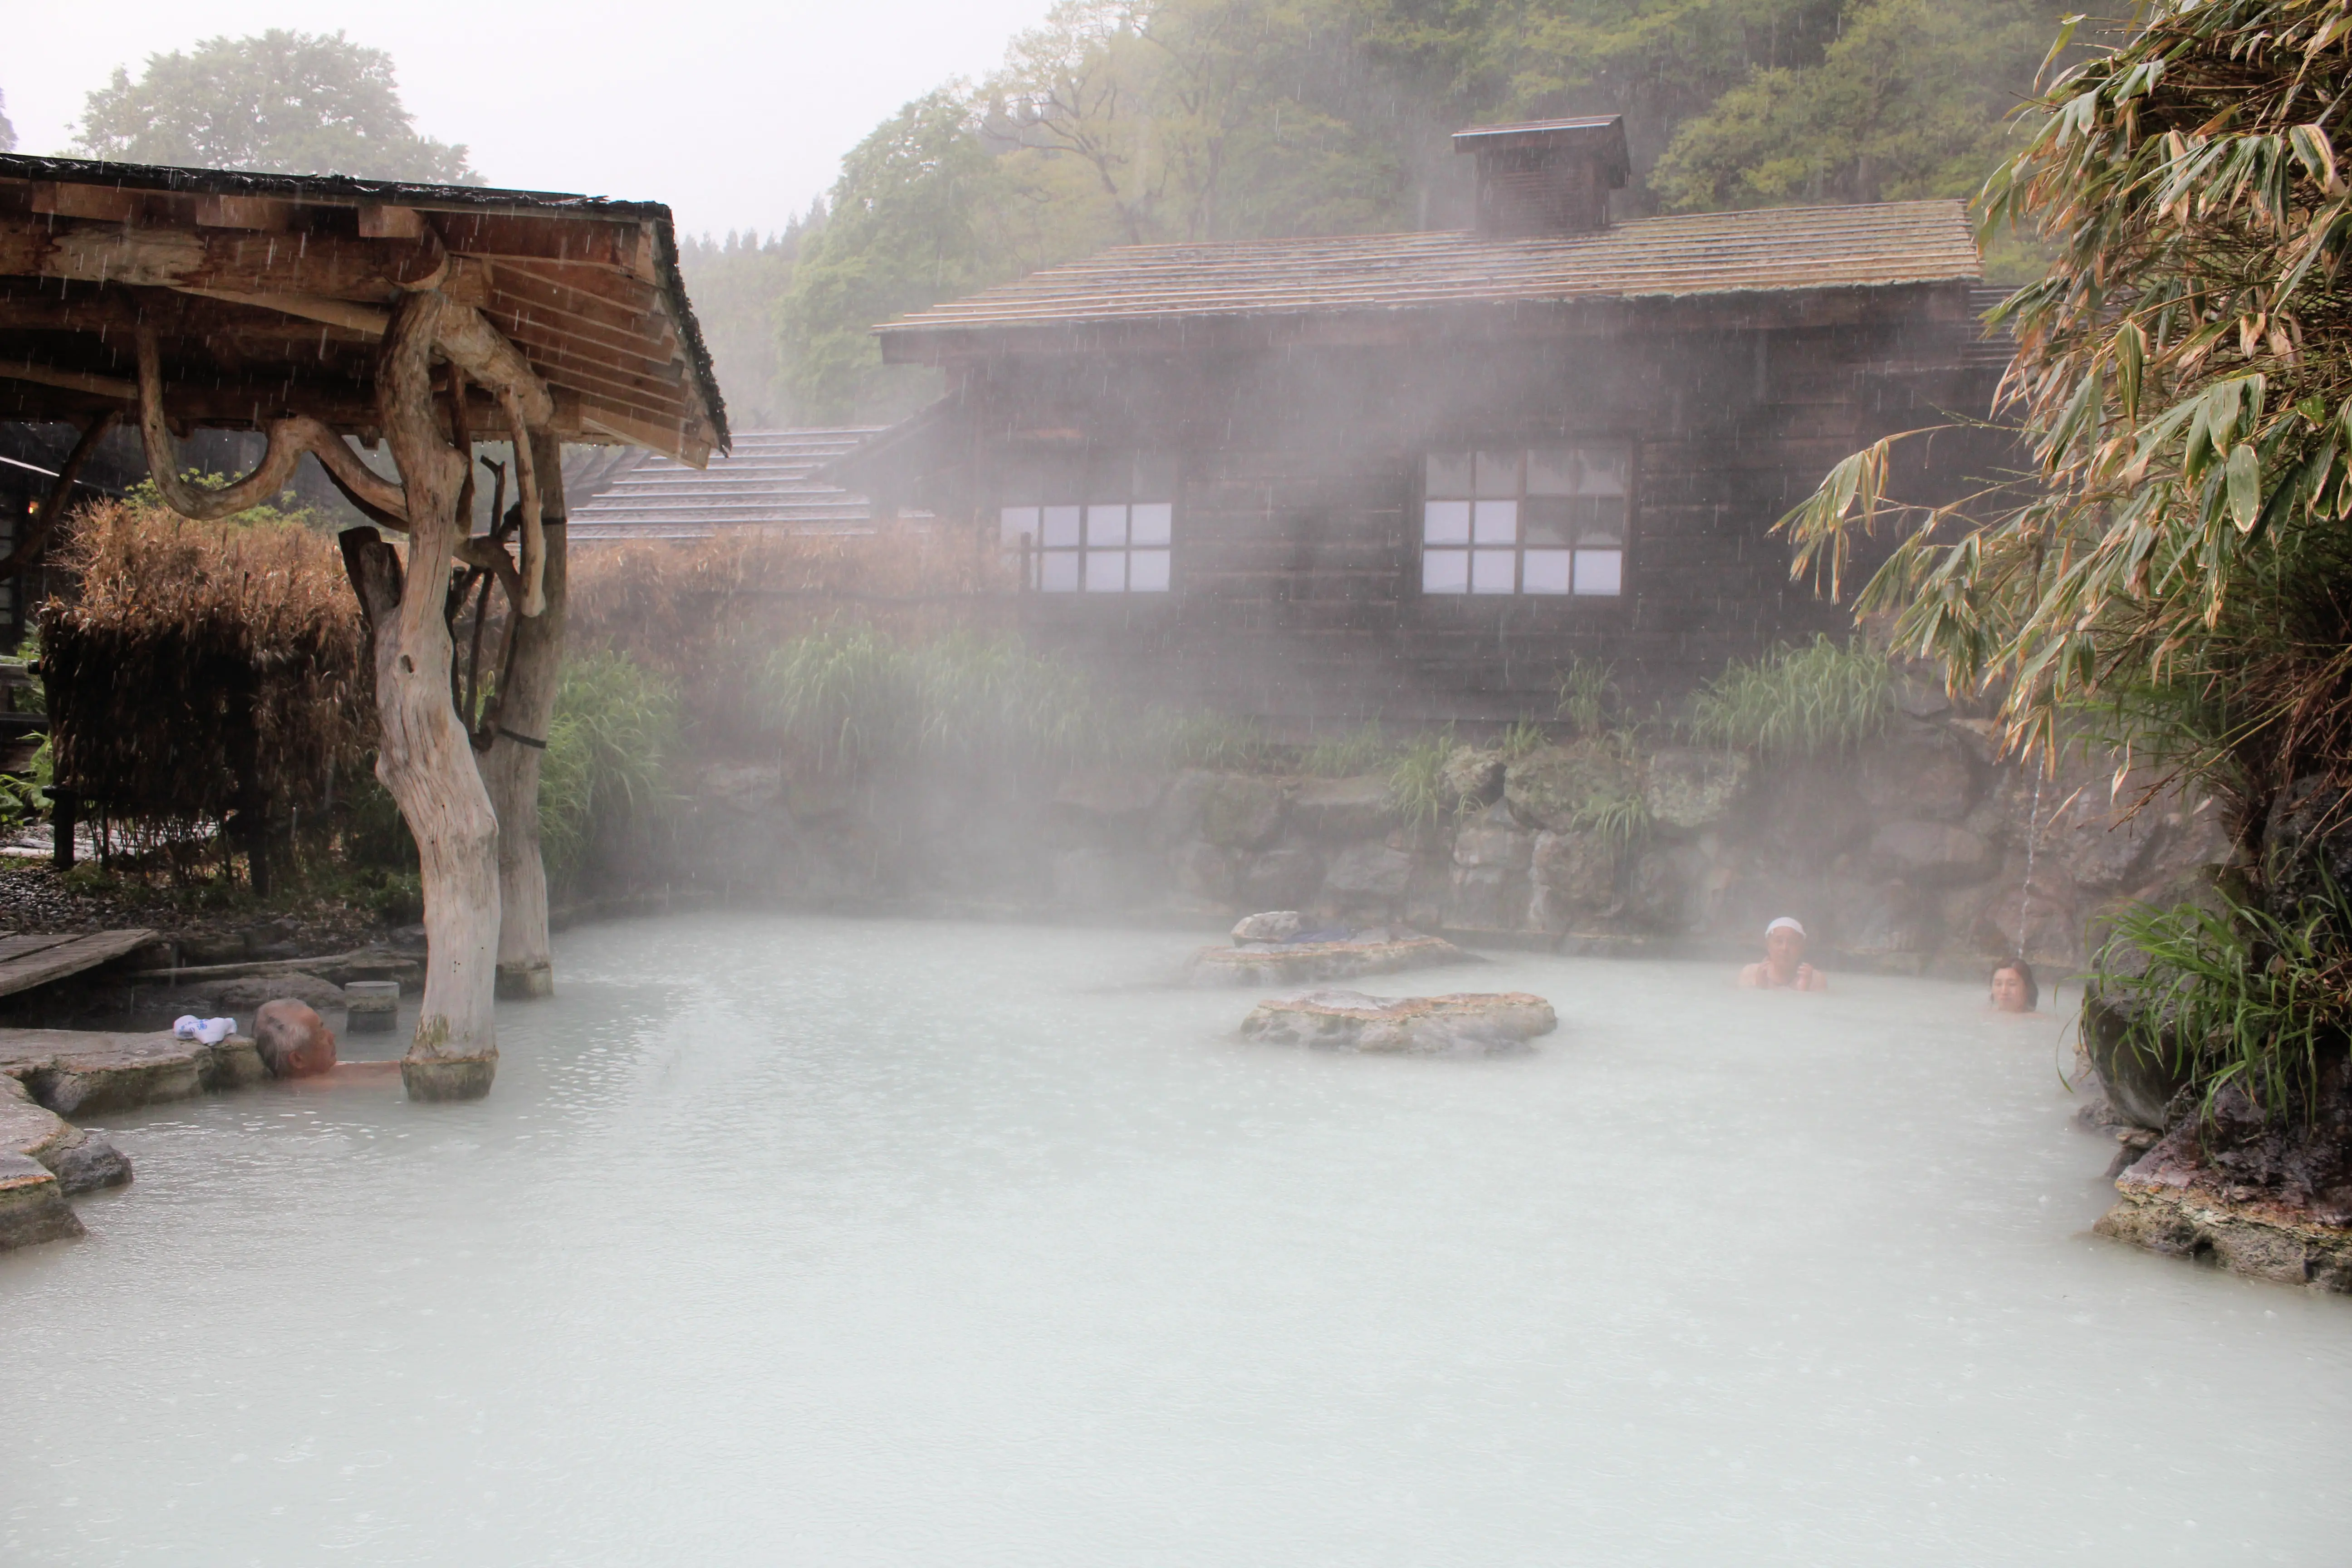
x=1079 y=570
x=1416 y=543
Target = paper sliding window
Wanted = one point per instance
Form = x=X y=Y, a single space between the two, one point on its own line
x=1099 y=522
x=1541 y=520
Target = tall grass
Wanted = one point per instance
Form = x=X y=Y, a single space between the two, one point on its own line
x=1417 y=790
x=851 y=699
x=2235 y=996
x=609 y=744
x=1819 y=701
x=1588 y=695
x=1363 y=749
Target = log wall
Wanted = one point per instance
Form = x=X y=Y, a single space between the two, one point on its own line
x=1295 y=594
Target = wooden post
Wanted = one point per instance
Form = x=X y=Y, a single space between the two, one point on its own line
x=510 y=767
x=423 y=757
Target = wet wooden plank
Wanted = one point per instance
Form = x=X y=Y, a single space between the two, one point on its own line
x=70 y=957
x=17 y=946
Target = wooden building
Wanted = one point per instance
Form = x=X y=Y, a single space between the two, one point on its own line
x=1412 y=475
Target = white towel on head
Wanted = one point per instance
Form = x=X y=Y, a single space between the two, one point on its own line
x=1787 y=921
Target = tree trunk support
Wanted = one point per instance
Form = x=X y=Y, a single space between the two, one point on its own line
x=526 y=703
x=423 y=757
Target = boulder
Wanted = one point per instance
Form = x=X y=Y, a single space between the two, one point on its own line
x=1548 y=787
x=1574 y=872
x=1178 y=815
x=1095 y=878
x=1242 y=811
x=293 y=1040
x=1375 y=952
x=1287 y=875
x=1667 y=889
x=82 y=1160
x=1462 y=1024
x=1492 y=838
x=245 y=994
x=1203 y=872
x=1369 y=874
x=747 y=789
x=1108 y=795
x=1472 y=773
x=1921 y=773
x=1274 y=925
x=1933 y=852
x=2171 y=1201
x=2139 y=1087
x=1687 y=789
x=1341 y=809
x=33 y=1207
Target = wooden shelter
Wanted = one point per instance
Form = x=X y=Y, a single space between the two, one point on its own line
x=1411 y=476
x=416 y=320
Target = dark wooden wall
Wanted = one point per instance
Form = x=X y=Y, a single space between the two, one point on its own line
x=1296 y=577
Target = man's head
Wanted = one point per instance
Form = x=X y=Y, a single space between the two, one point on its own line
x=2014 y=987
x=1784 y=941
x=293 y=1040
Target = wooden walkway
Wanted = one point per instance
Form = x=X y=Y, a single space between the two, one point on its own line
x=30 y=959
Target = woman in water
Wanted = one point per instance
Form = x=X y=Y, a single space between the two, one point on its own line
x=2014 y=989
x=1784 y=967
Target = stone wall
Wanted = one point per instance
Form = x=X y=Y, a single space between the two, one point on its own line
x=1911 y=856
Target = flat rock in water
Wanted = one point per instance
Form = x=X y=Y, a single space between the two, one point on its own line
x=2167 y=1201
x=76 y=1071
x=1491 y=1024
x=1293 y=962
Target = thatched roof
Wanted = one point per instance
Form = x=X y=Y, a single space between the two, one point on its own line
x=270 y=295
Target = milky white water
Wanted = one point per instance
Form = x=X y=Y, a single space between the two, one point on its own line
x=809 y=1241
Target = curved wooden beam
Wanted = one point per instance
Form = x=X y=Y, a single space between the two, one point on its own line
x=288 y=439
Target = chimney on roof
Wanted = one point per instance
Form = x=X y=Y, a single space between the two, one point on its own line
x=1548 y=176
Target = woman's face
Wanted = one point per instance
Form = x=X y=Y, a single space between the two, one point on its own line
x=2009 y=992
x=1783 y=947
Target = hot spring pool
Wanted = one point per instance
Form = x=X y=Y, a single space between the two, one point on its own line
x=813 y=1241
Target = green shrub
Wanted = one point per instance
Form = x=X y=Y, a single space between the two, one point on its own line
x=1823 y=700
x=2233 y=995
x=615 y=727
x=1522 y=739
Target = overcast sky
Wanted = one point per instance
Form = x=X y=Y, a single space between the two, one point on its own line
x=734 y=114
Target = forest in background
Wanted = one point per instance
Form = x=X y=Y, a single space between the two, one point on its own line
x=1133 y=121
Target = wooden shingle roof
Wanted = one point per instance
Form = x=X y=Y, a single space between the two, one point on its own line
x=1774 y=249
x=270 y=294
x=767 y=482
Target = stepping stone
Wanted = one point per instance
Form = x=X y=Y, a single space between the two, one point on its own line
x=1296 y=963
x=1491 y=1024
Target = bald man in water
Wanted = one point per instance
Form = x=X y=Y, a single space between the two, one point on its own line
x=1784 y=967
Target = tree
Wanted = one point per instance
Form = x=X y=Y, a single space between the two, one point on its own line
x=284 y=102
x=1911 y=98
x=2181 y=567
x=911 y=221
x=737 y=283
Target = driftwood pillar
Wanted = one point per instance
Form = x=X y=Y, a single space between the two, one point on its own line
x=510 y=767
x=424 y=758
